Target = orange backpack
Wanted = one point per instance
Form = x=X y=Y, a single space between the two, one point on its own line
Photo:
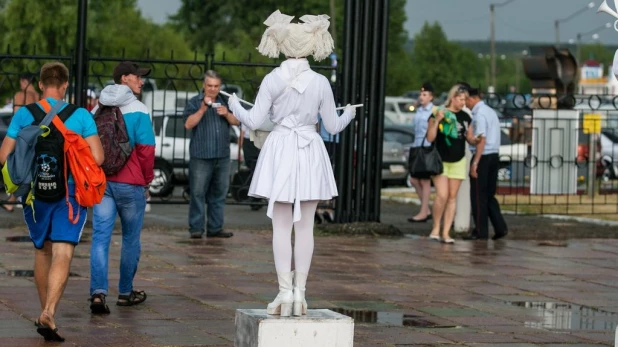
x=88 y=176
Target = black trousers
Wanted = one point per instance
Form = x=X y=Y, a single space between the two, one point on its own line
x=483 y=196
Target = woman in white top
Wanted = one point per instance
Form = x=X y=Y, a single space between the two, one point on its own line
x=293 y=170
x=420 y=181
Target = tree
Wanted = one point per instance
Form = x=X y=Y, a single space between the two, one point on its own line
x=441 y=62
x=114 y=26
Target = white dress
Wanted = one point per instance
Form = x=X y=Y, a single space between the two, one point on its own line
x=293 y=165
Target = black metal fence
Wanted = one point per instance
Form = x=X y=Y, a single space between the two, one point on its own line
x=552 y=161
x=171 y=83
x=558 y=161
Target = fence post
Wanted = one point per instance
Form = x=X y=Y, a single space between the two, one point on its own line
x=80 y=52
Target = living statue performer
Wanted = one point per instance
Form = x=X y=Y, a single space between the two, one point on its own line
x=293 y=170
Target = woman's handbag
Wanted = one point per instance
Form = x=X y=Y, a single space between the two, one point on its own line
x=425 y=162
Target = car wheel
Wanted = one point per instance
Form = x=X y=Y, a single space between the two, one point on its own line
x=161 y=185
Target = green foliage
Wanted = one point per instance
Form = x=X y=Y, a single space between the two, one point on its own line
x=115 y=28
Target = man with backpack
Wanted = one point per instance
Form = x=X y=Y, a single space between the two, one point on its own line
x=53 y=234
x=125 y=129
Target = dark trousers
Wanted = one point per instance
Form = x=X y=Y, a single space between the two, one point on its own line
x=483 y=195
x=250 y=153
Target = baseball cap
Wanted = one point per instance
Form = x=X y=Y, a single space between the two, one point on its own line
x=129 y=68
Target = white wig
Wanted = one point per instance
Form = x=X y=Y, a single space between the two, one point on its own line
x=296 y=40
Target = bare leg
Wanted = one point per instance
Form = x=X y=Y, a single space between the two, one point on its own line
x=441 y=184
x=423 y=195
x=62 y=254
x=451 y=207
x=42 y=263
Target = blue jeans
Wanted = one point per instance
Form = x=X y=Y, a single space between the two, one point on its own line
x=208 y=182
x=128 y=201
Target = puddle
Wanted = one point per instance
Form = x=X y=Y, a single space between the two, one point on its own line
x=18 y=239
x=27 y=273
x=559 y=315
x=391 y=318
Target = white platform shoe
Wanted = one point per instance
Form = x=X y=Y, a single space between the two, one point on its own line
x=283 y=302
x=300 y=304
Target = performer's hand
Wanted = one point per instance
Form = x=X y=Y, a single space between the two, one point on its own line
x=473 y=172
x=222 y=111
x=350 y=109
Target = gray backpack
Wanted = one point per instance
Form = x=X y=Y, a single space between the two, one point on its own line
x=18 y=169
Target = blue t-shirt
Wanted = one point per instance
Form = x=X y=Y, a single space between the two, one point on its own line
x=81 y=122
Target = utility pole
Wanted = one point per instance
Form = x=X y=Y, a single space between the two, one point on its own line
x=557 y=29
x=333 y=28
x=492 y=33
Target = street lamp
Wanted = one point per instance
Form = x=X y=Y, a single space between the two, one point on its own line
x=492 y=32
x=557 y=21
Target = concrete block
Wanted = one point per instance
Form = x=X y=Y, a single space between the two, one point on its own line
x=319 y=328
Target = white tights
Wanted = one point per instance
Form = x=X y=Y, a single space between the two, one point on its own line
x=303 y=233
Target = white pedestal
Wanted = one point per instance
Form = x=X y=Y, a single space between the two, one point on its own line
x=323 y=328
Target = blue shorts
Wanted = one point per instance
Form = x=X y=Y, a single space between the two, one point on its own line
x=50 y=221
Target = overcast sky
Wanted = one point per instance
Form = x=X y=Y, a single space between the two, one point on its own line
x=520 y=20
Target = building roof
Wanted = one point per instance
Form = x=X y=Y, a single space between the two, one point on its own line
x=592 y=63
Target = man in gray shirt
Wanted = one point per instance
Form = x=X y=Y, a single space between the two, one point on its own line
x=209 y=119
x=484 y=169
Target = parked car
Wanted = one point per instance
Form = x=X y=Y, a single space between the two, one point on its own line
x=394 y=164
x=399 y=109
x=172 y=152
x=609 y=154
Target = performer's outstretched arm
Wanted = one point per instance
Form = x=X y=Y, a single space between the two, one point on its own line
x=333 y=123
x=255 y=117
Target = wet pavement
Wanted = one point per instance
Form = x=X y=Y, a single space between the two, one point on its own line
x=403 y=291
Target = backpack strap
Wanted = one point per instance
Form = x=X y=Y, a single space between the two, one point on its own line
x=67 y=112
x=36 y=112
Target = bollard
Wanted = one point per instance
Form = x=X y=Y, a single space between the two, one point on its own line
x=464 y=210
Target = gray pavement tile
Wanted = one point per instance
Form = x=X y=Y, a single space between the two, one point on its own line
x=195 y=287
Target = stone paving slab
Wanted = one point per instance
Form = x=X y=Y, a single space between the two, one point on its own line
x=405 y=291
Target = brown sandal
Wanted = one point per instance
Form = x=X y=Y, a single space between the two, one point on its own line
x=132 y=299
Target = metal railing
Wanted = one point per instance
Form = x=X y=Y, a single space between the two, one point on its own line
x=556 y=161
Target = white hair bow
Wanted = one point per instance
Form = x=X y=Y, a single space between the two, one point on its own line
x=277 y=24
x=316 y=24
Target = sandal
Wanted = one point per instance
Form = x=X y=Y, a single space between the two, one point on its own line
x=98 y=305
x=49 y=334
x=132 y=299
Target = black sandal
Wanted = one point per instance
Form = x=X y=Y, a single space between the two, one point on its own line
x=49 y=334
x=98 y=307
x=132 y=299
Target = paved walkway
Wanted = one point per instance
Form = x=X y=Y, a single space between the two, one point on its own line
x=401 y=291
